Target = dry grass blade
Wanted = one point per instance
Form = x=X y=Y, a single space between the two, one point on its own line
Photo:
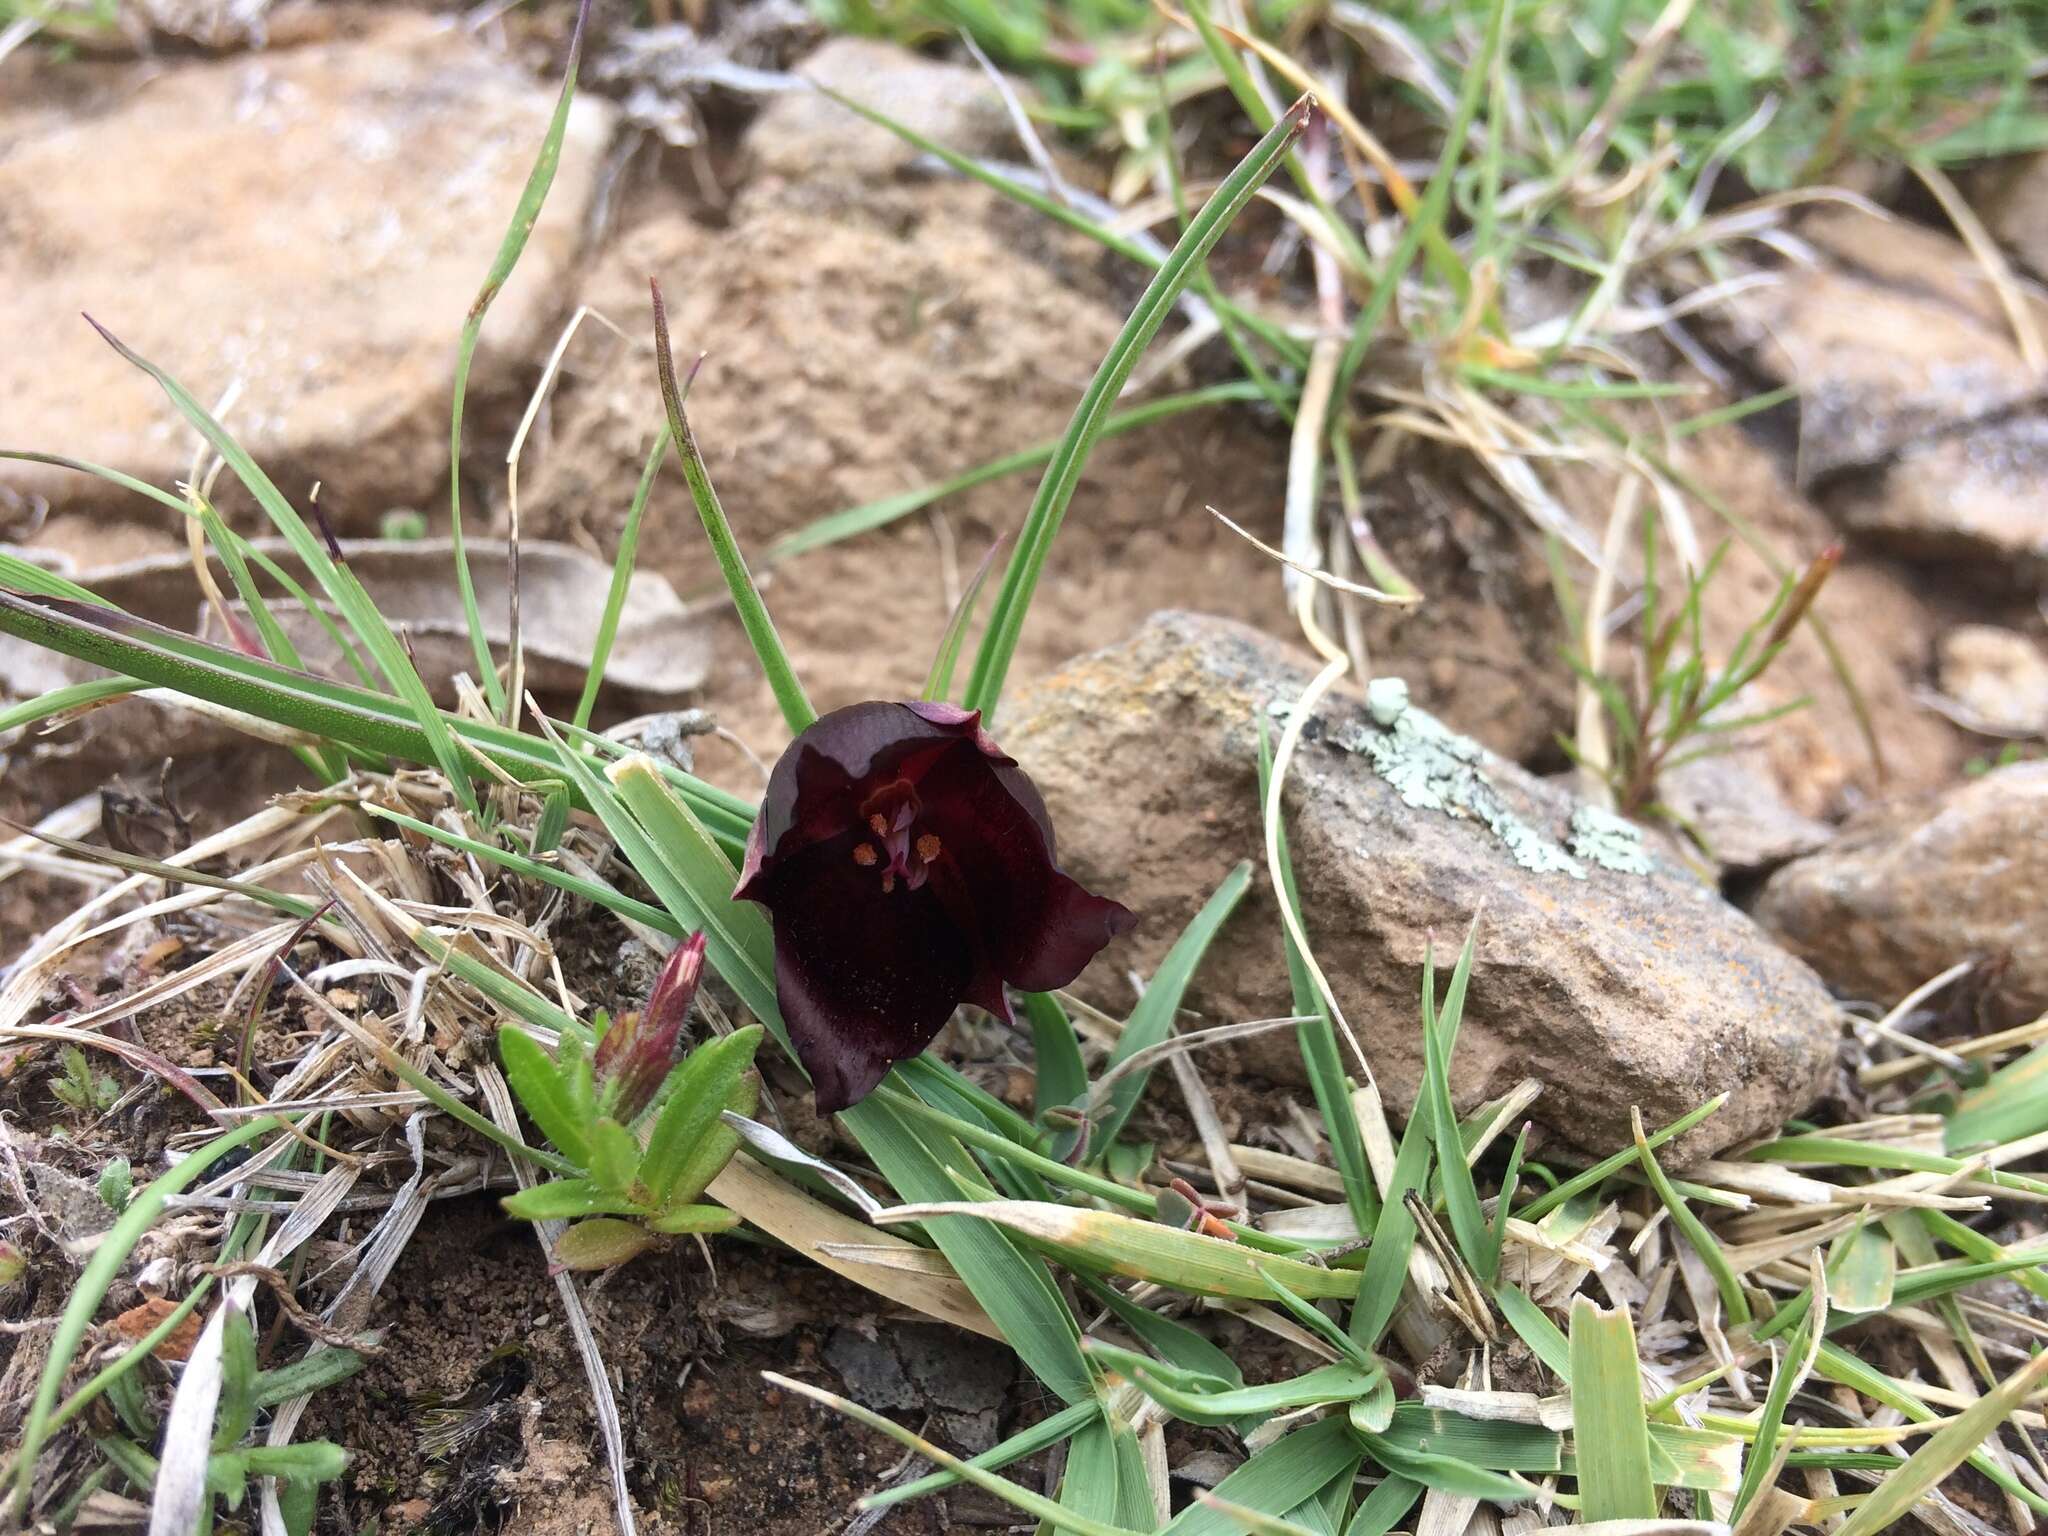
x=810 y=1227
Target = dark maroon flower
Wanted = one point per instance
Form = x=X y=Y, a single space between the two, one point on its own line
x=908 y=866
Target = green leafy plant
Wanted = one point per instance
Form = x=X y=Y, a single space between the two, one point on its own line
x=642 y=1122
x=1677 y=703
x=82 y=1089
x=230 y=1465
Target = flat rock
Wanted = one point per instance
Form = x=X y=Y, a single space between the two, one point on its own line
x=352 y=197
x=807 y=136
x=1908 y=890
x=1996 y=678
x=1973 y=497
x=1895 y=335
x=1613 y=977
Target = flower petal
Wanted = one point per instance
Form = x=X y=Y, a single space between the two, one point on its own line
x=817 y=785
x=864 y=978
x=1033 y=924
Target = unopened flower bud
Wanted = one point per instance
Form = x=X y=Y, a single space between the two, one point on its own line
x=638 y=1052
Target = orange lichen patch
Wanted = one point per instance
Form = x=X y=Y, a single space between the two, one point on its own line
x=139 y=1320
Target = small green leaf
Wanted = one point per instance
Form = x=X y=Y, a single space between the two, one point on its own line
x=1446 y=1473
x=237 y=1410
x=614 y=1156
x=678 y=1219
x=538 y=1085
x=568 y=1199
x=310 y=1373
x=690 y=1144
x=603 y=1242
x=1863 y=1271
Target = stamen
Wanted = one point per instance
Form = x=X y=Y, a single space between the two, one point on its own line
x=928 y=847
x=879 y=825
x=888 y=883
x=864 y=855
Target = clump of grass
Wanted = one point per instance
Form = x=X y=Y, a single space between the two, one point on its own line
x=1678 y=704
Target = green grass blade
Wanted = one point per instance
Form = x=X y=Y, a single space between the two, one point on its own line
x=1610 y=1431
x=369 y=722
x=1534 y=1328
x=1385 y=1507
x=746 y=597
x=622 y=577
x=1608 y=1167
x=1393 y=1236
x=60 y=700
x=1062 y=1075
x=1283 y=344
x=938 y=682
x=1726 y=1281
x=1108 y=1242
x=594 y=891
x=1461 y=1194
x=1062 y=475
x=1943 y=1452
x=1863 y=1271
x=1151 y=1021
x=340 y=583
x=879 y=514
x=1043 y=1435
x=1770 y=1424
x=524 y=216
x=2012 y=1103
x=1277 y=1479
x=1318 y=1039
x=1056 y=1515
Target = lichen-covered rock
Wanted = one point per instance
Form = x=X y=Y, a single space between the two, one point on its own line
x=311 y=223
x=1906 y=892
x=1895 y=335
x=1606 y=973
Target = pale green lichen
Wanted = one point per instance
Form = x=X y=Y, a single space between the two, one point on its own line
x=1435 y=769
x=1603 y=838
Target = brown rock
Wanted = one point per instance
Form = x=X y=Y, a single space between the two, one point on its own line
x=1906 y=892
x=314 y=224
x=2011 y=196
x=1895 y=335
x=1731 y=804
x=1617 y=983
x=1996 y=678
x=1973 y=497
